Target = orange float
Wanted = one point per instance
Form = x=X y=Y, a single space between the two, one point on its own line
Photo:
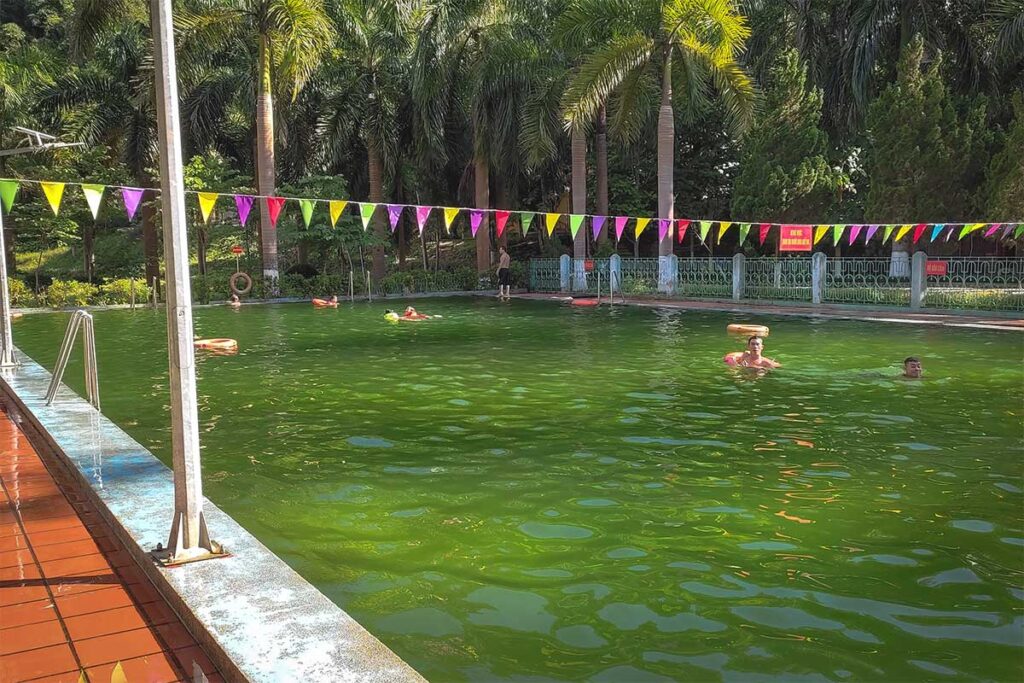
x=219 y=344
x=584 y=302
x=755 y=330
x=324 y=303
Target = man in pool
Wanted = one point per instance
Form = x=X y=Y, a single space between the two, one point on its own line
x=912 y=367
x=234 y=302
x=504 y=275
x=751 y=358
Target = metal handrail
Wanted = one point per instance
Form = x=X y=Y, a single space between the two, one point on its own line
x=92 y=384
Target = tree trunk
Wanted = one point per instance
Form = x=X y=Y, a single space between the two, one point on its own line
x=151 y=244
x=601 y=154
x=482 y=191
x=265 y=161
x=666 y=141
x=578 y=143
x=379 y=221
x=501 y=189
x=88 y=235
x=201 y=239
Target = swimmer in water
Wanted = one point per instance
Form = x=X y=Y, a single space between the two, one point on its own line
x=234 y=302
x=912 y=367
x=412 y=314
x=752 y=358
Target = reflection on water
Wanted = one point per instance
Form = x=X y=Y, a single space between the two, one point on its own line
x=534 y=492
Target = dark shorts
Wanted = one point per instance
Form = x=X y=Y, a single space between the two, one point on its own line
x=504 y=277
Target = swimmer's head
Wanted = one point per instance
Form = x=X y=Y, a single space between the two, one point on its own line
x=755 y=344
x=912 y=367
x=410 y=310
x=388 y=311
x=334 y=298
x=234 y=298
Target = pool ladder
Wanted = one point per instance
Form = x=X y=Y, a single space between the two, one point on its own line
x=92 y=384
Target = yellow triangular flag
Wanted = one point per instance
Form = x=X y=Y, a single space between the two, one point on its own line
x=53 y=192
x=723 y=227
x=449 y=216
x=336 y=207
x=551 y=220
x=904 y=229
x=206 y=202
x=641 y=225
x=819 y=232
x=117 y=675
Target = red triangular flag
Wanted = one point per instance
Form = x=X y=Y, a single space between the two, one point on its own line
x=681 y=226
x=765 y=227
x=274 y=206
x=501 y=217
x=918 y=231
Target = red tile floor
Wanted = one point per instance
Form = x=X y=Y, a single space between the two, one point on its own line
x=71 y=599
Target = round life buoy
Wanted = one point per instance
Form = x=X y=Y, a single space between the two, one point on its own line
x=324 y=303
x=233 y=283
x=215 y=344
x=584 y=302
x=756 y=330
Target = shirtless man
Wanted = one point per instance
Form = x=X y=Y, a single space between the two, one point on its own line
x=234 y=302
x=912 y=368
x=504 y=275
x=751 y=358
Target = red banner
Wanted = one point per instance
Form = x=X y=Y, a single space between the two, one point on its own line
x=796 y=238
x=588 y=265
x=936 y=268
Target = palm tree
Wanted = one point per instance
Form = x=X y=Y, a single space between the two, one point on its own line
x=289 y=37
x=689 y=47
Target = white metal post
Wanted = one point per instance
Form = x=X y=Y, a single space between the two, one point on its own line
x=6 y=340
x=189 y=539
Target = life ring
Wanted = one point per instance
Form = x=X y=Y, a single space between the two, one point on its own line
x=240 y=291
x=324 y=303
x=756 y=330
x=584 y=302
x=215 y=344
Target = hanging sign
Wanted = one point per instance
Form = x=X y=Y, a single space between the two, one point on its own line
x=935 y=268
x=237 y=250
x=588 y=265
x=796 y=238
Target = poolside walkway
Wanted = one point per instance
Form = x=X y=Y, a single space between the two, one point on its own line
x=71 y=599
x=890 y=315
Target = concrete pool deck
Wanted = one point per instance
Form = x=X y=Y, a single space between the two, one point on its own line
x=255 y=617
x=994 y=321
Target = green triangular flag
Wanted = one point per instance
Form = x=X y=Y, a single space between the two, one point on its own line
x=887 y=232
x=306 y=206
x=366 y=211
x=575 y=221
x=1018 y=231
x=526 y=220
x=93 y=196
x=705 y=226
x=8 y=188
x=744 y=229
x=837 y=233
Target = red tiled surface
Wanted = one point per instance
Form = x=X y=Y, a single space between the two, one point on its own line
x=71 y=598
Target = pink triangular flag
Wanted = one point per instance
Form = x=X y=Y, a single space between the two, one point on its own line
x=422 y=214
x=763 y=229
x=394 y=213
x=855 y=232
x=663 y=224
x=620 y=225
x=274 y=206
x=243 y=203
x=475 y=216
x=918 y=231
x=872 y=229
x=131 y=197
x=597 y=223
x=500 y=218
x=993 y=230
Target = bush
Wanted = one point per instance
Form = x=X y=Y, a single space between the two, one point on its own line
x=120 y=291
x=68 y=293
x=21 y=294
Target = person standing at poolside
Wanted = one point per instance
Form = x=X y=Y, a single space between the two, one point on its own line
x=751 y=358
x=912 y=367
x=504 y=275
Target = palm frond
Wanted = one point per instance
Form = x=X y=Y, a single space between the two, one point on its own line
x=601 y=72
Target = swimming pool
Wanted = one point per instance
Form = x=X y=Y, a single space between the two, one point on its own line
x=530 y=491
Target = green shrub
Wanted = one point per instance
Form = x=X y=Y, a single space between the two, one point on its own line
x=69 y=293
x=21 y=294
x=120 y=291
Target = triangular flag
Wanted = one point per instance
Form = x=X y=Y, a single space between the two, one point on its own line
x=936 y=231
x=53 y=192
x=620 y=225
x=1018 y=231
x=705 y=227
x=422 y=214
x=394 y=213
x=93 y=197
x=336 y=206
x=243 y=203
x=663 y=224
x=837 y=233
x=641 y=225
x=1006 y=231
x=855 y=232
x=550 y=220
x=597 y=224
x=575 y=221
x=131 y=196
x=969 y=228
x=681 y=225
x=819 y=232
x=744 y=229
x=274 y=206
x=366 y=210
x=949 y=233
x=918 y=231
x=206 y=202
x=526 y=220
x=500 y=219
x=887 y=232
x=449 y=216
x=723 y=227
x=993 y=230
x=765 y=228
x=8 y=188
x=475 y=216
x=902 y=232
x=872 y=229
x=306 y=207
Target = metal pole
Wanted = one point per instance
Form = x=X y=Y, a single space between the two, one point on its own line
x=189 y=538
x=131 y=280
x=369 y=294
x=6 y=340
x=351 y=287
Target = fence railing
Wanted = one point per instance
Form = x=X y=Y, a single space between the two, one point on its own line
x=969 y=283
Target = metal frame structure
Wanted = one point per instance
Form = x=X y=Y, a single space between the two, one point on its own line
x=92 y=385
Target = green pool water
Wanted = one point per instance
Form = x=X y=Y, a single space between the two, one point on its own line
x=527 y=491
